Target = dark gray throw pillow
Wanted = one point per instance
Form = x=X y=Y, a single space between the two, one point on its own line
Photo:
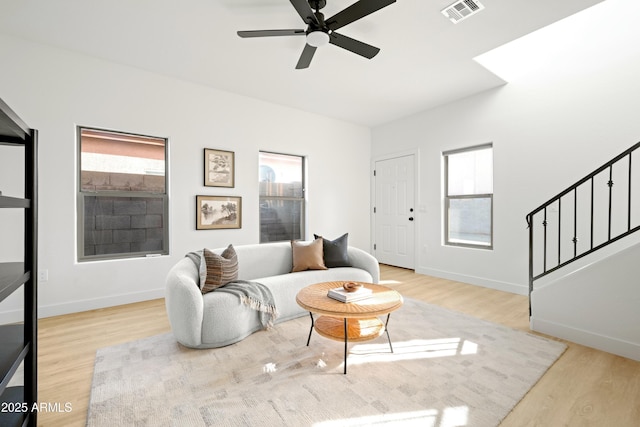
x=335 y=251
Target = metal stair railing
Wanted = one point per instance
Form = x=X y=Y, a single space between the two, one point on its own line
x=589 y=207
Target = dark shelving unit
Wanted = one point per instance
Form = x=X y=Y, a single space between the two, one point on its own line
x=18 y=342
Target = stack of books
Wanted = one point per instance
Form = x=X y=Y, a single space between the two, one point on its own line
x=341 y=295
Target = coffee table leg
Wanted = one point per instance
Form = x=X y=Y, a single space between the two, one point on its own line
x=345 y=345
x=310 y=330
x=386 y=328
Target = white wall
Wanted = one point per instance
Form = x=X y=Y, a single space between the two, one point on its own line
x=572 y=306
x=557 y=120
x=55 y=90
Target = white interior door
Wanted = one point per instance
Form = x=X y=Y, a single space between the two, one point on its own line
x=394 y=211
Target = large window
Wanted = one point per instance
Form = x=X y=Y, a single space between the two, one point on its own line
x=122 y=195
x=469 y=196
x=282 y=194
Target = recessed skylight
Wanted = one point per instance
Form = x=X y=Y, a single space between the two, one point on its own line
x=587 y=41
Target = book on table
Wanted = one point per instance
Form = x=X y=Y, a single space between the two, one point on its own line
x=343 y=296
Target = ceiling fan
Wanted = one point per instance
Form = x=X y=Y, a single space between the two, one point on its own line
x=321 y=31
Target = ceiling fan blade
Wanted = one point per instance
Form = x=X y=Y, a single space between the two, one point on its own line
x=305 y=11
x=353 y=45
x=306 y=57
x=358 y=10
x=270 y=33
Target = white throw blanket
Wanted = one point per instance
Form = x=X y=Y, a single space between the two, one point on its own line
x=257 y=296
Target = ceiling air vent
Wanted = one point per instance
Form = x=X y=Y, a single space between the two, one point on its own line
x=461 y=10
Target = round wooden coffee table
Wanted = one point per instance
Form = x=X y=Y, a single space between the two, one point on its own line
x=353 y=321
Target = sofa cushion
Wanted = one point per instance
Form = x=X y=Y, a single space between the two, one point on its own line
x=218 y=269
x=335 y=251
x=307 y=255
x=285 y=287
x=262 y=260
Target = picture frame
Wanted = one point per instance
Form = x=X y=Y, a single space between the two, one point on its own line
x=219 y=168
x=218 y=212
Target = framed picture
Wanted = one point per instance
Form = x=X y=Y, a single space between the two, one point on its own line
x=219 y=168
x=218 y=212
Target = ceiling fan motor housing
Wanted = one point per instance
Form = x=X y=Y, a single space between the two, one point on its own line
x=317 y=4
x=317 y=34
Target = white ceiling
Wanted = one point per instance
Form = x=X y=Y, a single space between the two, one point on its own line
x=425 y=60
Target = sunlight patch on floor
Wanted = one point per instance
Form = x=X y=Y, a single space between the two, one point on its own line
x=408 y=350
x=450 y=417
x=269 y=368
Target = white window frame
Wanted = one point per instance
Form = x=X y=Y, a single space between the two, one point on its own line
x=448 y=198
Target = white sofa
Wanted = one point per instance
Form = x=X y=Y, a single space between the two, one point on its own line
x=217 y=319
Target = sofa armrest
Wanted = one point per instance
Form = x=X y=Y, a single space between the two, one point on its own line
x=184 y=303
x=365 y=261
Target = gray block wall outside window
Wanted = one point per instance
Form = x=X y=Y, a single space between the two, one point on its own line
x=122 y=225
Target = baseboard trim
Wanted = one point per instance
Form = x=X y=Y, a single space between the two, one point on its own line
x=84 y=305
x=474 y=280
x=612 y=345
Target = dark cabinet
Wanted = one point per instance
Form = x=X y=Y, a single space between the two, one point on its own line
x=18 y=341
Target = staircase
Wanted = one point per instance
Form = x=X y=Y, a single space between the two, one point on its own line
x=584 y=259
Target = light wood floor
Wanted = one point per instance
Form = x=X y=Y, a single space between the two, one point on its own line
x=585 y=387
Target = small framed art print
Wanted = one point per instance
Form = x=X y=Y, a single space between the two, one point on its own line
x=218 y=212
x=219 y=168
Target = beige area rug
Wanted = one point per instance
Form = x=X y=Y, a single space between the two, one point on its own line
x=448 y=369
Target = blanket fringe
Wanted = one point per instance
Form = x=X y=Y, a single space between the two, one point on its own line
x=255 y=304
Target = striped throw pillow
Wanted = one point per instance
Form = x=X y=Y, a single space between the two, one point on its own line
x=220 y=269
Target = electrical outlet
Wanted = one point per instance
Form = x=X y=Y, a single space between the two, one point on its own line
x=43 y=275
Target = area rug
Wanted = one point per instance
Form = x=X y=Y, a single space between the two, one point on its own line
x=447 y=369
